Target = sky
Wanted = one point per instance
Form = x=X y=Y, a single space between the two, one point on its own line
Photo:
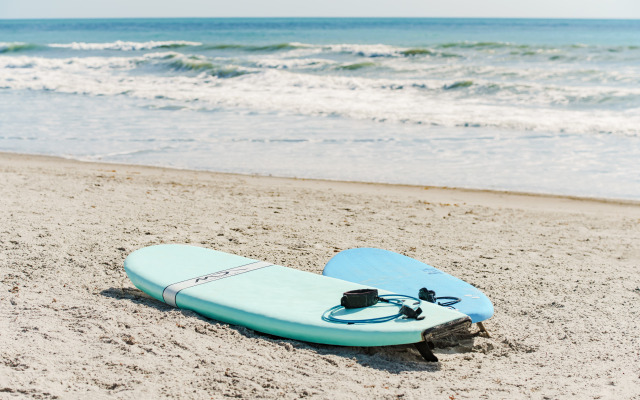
x=319 y=8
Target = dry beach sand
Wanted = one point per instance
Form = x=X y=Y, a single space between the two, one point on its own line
x=564 y=276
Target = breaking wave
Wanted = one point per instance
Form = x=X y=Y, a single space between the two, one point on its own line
x=557 y=88
x=16 y=47
x=356 y=66
x=199 y=65
x=125 y=46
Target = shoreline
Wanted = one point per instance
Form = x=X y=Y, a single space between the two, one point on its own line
x=562 y=275
x=613 y=201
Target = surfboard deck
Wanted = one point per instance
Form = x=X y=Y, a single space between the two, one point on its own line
x=274 y=299
x=397 y=273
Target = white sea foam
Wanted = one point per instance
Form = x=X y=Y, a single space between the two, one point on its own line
x=432 y=102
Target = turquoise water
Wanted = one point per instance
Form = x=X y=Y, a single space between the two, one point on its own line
x=266 y=31
x=548 y=106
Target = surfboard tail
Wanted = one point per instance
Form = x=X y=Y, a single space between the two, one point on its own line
x=446 y=328
x=429 y=335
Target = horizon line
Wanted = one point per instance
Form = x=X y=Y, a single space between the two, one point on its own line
x=322 y=17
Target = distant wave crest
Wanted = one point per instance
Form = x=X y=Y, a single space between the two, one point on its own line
x=481 y=45
x=257 y=48
x=355 y=66
x=200 y=65
x=125 y=46
x=14 y=47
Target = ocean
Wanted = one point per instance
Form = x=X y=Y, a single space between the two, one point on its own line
x=531 y=105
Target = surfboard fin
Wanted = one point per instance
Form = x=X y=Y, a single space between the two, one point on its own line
x=425 y=350
x=483 y=331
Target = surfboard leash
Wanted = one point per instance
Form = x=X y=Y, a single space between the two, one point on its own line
x=362 y=298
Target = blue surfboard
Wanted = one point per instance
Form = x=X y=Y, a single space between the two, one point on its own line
x=396 y=273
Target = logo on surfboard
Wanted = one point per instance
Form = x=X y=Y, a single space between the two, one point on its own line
x=170 y=293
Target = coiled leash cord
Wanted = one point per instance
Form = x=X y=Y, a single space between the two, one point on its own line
x=430 y=296
x=367 y=297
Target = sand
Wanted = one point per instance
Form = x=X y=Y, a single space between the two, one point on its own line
x=563 y=274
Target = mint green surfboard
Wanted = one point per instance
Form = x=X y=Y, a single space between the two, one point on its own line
x=274 y=299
